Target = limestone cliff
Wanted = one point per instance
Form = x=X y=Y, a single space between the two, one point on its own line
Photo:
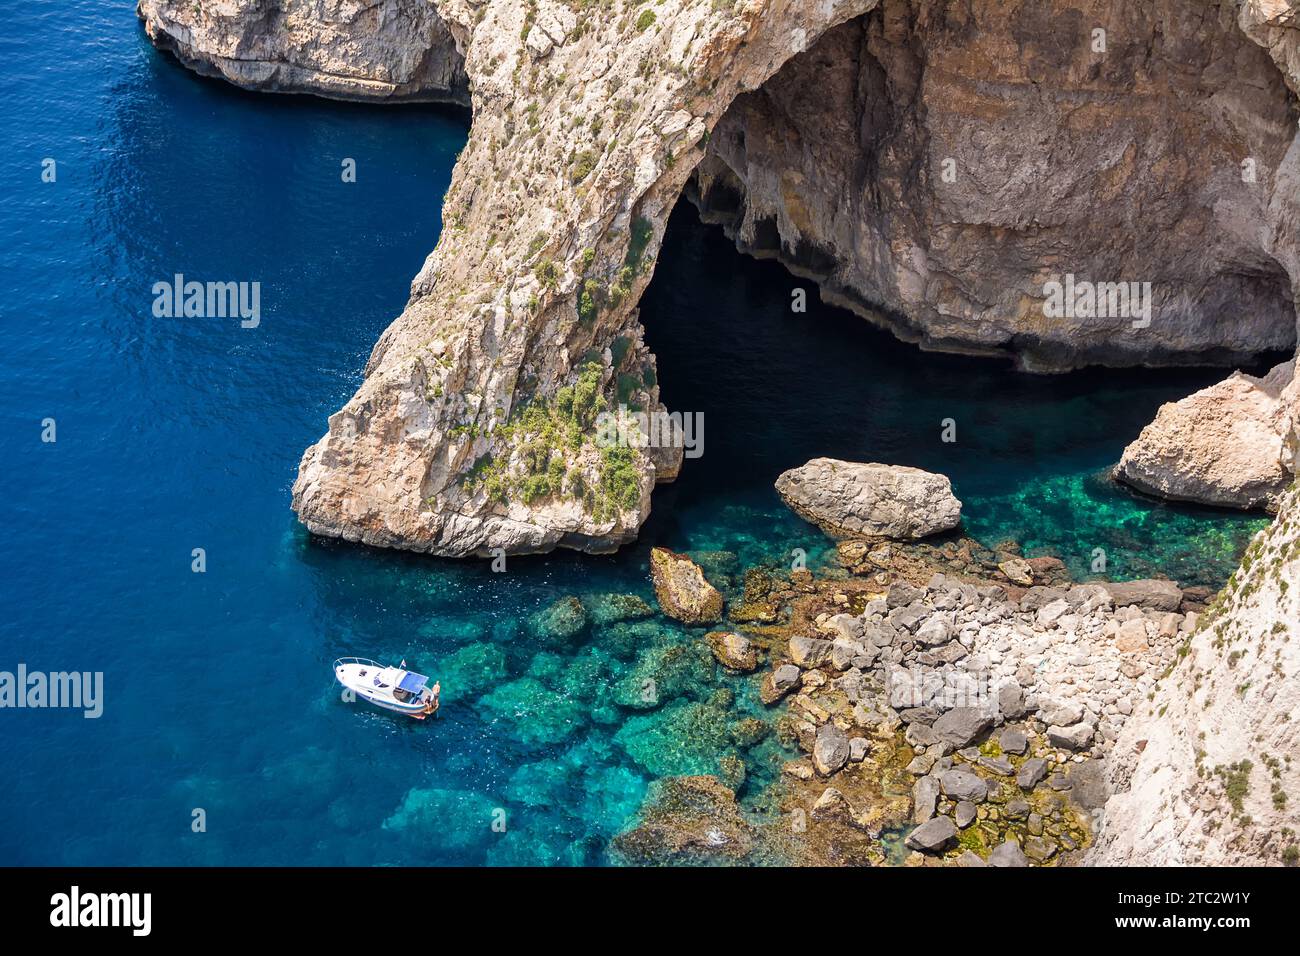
x=474 y=429
x=344 y=49
x=821 y=133
x=1205 y=773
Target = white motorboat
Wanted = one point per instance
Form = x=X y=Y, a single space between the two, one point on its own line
x=392 y=688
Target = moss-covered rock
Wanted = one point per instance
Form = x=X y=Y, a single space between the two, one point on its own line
x=471 y=671
x=682 y=590
x=539 y=714
x=688 y=820
x=613 y=608
x=733 y=651
x=450 y=819
x=683 y=738
x=664 y=673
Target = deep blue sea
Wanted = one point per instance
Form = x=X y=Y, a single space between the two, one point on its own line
x=176 y=434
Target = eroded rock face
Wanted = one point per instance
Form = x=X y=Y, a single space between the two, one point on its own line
x=343 y=49
x=476 y=428
x=856 y=499
x=934 y=165
x=477 y=425
x=1220 y=446
x=1201 y=774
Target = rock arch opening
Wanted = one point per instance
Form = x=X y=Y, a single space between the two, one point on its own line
x=934 y=166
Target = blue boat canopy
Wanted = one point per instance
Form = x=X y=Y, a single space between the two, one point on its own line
x=413 y=683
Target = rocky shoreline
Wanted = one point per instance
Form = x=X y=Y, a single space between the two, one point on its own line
x=944 y=713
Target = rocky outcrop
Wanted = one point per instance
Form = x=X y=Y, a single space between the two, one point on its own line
x=687 y=820
x=733 y=651
x=995 y=713
x=343 y=49
x=682 y=590
x=1223 y=445
x=1205 y=772
x=477 y=425
x=853 y=499
x=1275 y=25
x=934 y=166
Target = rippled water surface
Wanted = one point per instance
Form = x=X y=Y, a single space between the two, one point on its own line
x=175 y=434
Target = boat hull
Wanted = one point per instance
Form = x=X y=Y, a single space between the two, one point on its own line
x=359 y=676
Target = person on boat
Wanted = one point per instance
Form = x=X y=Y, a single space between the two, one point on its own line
x=431 y=705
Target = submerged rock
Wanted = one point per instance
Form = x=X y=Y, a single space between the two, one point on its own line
x=733 y=651
x=539 y=714
x=614 y=608
x=683 y=738
x=451 y=819
x=848 y=499
x=687 y=820
x=470 y=671
x=683 y=592
x=663 y=673
x=561 y=622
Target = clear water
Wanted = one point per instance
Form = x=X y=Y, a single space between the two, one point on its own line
x=175 y=434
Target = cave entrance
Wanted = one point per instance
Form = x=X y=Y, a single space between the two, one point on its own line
x=835 y=168
x=937 y=170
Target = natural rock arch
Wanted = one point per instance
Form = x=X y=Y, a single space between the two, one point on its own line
x=590 y=119
x=494 y=319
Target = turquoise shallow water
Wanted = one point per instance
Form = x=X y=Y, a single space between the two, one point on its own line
x=176 y=434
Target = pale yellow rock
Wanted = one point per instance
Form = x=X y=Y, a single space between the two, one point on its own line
x=344 y=49
x=1223 y=445
x=1132 y=637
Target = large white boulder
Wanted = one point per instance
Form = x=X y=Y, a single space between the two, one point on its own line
x=1224 y=445
x=855 y=499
